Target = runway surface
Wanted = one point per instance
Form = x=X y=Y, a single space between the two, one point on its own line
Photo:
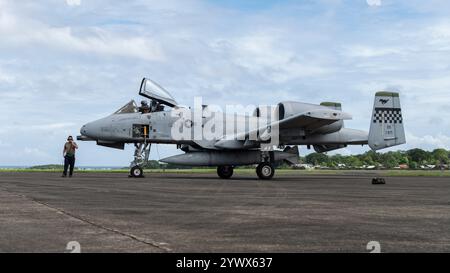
x=106 y=212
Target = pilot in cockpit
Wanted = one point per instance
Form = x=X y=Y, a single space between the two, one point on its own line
x=144 y=108
x=156 y=106
x=153 y=106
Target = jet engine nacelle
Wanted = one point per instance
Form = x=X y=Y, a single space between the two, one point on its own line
x=327 y=148
x=291 y=108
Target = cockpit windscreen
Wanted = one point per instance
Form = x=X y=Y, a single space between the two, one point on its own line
x=130 y=107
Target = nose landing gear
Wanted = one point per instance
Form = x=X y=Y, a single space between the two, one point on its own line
x=141 y=155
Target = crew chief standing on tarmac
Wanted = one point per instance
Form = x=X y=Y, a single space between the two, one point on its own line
x=69 y=156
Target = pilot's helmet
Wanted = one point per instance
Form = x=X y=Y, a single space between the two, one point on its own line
x=144 y=103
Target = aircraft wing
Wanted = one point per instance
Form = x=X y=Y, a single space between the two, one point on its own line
x=308 y=121
x=312 y=120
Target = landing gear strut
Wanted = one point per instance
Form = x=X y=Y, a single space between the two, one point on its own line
x=225 y=171
x=141 y=155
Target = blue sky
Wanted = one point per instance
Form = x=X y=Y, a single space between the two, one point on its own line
x=249 y=5
x=66 y=62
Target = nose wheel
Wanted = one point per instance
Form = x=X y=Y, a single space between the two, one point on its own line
x=265 y=170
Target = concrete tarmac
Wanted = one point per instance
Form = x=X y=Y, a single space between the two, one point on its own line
x=109 y=212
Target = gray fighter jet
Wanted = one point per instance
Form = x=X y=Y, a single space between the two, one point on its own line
x=265 y=138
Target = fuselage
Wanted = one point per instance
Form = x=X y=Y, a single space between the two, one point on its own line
x=165 y=127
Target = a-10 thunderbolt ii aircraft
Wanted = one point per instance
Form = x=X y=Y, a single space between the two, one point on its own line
x=267 y=137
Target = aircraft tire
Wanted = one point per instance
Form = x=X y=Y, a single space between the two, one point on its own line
x=265 y=170
x=225 y=172
x=136 y=171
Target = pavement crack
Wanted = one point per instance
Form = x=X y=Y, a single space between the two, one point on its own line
x=152 y=243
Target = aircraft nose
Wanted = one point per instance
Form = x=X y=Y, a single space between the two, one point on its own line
x=87 y=130
x=84 y=132
x=97 y=129
x=83 y=129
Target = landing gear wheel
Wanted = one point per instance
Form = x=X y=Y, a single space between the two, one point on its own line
x=265 y=170
x=225 y=171
x=136 y=171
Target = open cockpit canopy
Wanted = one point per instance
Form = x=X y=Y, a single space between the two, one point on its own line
x=154 y=91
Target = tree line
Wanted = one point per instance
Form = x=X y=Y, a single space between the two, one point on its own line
x=413 y=159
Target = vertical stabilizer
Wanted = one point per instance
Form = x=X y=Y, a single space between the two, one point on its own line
x=386 y=128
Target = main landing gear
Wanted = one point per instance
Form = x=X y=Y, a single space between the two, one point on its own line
x=265 y=170
x=141 y=155
x=136 y=171
x=225 y=171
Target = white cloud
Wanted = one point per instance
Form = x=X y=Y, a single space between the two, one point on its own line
x=29 y=33
x=374 y=3
x=22 y=128
x=98 y=42
x=369 y=51
x=269 y=54
x=34 y=152
x=52 y=126
x=6 y=77
x=73 y=2
x=428 y=142
x=438 y=35
x=344 y=151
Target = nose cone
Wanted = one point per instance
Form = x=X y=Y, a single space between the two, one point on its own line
x=83 y=130
x=94 y=129
x=83 y=136
x=87 y=132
